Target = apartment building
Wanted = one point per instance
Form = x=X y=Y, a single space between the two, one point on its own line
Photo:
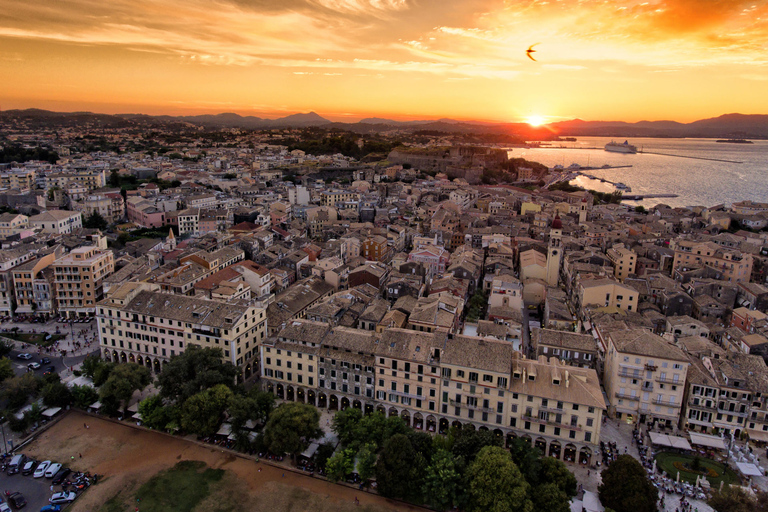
x=624 y=261
x=139 y=324
x=10 y=258
x=606 y=293
x=433 y=382
x=569 y=347
x=110 y=206
x=33 y=284
x=12 y=223
x=331 y=197
x=58 y=222
x=734 y=266
x=644 y=377
x=189 y=221
x=88 y=178
x=19 y=179
x=79 y=279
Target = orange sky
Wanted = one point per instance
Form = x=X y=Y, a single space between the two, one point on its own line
x=345 y=59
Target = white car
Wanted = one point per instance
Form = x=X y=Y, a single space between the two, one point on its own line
x=40 y=471
x=24 y=356
x=33 y=366
x=62 y=497
x=4 y=506
x=52 y=470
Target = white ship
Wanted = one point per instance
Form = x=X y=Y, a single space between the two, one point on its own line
x=616 y=147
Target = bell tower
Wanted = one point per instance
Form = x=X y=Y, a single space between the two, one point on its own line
x=554 y=251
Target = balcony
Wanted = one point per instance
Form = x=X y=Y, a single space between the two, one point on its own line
x=480 y=408
x=628 y=397
x=630 y=375
x=668 y=380
x=536 y=419
x=651 y=367
x=665 y=403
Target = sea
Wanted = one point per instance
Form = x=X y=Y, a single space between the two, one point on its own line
x=742 y=176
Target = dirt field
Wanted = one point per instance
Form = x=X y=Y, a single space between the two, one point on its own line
x=128 y=457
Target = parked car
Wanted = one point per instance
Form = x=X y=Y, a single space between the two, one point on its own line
x=52 y=470
x=29 y=467
x=45 y=360
x=41 y=469
x=34 y=366
x=24 y=355
x=62 y=497
x=4 y=506
x=60 y=476
x=17 y=500
x=49 y=370
x=51 y=508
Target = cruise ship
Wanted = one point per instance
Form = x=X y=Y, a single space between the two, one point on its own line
x=615 y=147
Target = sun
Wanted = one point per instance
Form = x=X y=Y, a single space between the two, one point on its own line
x=535 y=120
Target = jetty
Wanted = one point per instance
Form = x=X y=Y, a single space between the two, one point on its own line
x=638 y=197
x=692 y=157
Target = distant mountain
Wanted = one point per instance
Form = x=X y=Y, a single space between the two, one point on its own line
x=728 y=125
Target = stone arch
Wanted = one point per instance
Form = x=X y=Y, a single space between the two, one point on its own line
x=132 y=358
x=498 y=433
x=392 y=412
x=270 y=388
x=322 y=400
x=406 y=417
x=554 y=449
x=585 y=456
x=456 y=423
x=344 y=403
x=368 y=408
x=311 y=397
x=123 y=357
x=300 y=395
x=156 y=366
x=333 y=403
x=380 y=408
x=569 y=453
x=431 y=423
x=469 y=426
x=443 y=425
x=541 y=444
x=483 y=428
x=289 y=393
x=280 y=392
x=526 y=438
x=418 y=421
x=357 y=404
x=510 y=438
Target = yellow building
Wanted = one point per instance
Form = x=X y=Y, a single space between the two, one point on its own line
x=139 y=324
x=734 y=265
x=607 y=293
x=12 y=223
x=644 y=377
x=33 y=286
x=79 y=279
x=528 y=207
x=623 y=260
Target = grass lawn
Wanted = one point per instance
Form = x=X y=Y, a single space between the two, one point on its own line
x=178 y=489
x=34 y=338
x=666 y=462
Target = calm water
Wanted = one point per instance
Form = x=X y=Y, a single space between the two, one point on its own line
x=697 y=182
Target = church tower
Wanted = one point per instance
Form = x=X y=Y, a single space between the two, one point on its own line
x=170 y=241
x=583 y=211
x=554 y=251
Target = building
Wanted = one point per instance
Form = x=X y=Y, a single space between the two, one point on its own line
x=606 y=293
x=624 y=261
x=139 y=324
x=644 y=377
x=12 y=223
x=79 y=278
x=57 y=221
x=189 y=221
x=33 y=284
x=569 y=347
x=734 y=265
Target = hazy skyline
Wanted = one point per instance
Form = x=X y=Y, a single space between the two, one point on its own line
x=346 y=59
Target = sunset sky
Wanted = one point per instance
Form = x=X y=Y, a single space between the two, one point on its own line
x=346 y=59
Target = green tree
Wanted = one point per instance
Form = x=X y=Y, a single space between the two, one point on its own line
x=123 y=380
x=527 y=458
x=5 y=348
x=398 y=473
x=323 y=454
x=442 y=481
x=495 y=483
x=83 y=396
x=422 y=443
x=95 y=221
x=735 y=499
x=468 y=443
x=6 y=369
x=18 y=389
x=56 y=394
x=554 y=471
x=366 y=461
x=265 y=404
x=346 y=425
x=340 y=465
x=640 y=209
x=97 y=369
x=290 y=428
x=551 y=498
x=195 y=370
x=626 y=487
x=202 y=413
x=114 y=178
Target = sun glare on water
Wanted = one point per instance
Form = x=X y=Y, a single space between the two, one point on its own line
x=535 y=120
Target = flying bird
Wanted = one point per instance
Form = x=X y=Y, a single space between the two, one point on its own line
x=529 y=51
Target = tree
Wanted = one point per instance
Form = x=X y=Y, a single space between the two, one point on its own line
x=551 y=498
x=346 y=423
x=496 y=484
x=442 y=481
x=195 y=370
x=366 y=461
x=56 y=394
x=324 y=452
x=5 y=348
x=422 y=443
x=735 y=499
x=640 y=209
x=340 y=465
x=397 y=472
x=202 y=413
x=95 y=221
x=626 y=487
x=265 y=404
x=290 y=428
x=114 y=178
x=527 y=458
x=97 y=369
x=123 y=380
x=83 y=396
x=468 y=443
x=19 y=389
x=6 y=369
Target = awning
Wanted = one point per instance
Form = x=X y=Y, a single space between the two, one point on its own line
x=310 y=451
x=50 y=413
x=758 y=435
x=671 y=441
x=749 y=469
x=707 y=440
x=134 y=408
x=224 y=430
x=95 y=405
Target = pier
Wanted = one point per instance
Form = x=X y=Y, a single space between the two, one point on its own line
x=638 y=197
x=692 y=157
